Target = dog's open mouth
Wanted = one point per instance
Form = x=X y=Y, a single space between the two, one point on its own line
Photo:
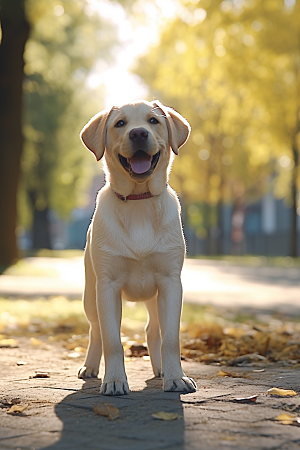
x=140 y=163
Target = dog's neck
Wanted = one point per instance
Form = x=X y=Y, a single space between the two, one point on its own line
x=135 y=196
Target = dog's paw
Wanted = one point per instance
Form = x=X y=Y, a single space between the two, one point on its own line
x=88 y=372
x=114 y=388
x=157 y=372
x=184 y=384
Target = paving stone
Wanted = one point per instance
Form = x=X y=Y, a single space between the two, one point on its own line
x=60 y=408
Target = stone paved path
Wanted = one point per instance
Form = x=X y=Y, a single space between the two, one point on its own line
x=205 y=282
x=60 y=415
x=60 y=408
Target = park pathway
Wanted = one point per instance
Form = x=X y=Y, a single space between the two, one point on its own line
x=204 y=282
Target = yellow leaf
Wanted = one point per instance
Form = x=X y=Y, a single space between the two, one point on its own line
x=80 y=349
x=8 y=343
x=162 y=415
x=35 y=342
x=286 y=351
x=286 y=419
x=17 y=409
x=40 y=375
x=282 y=392
x=222 y=373
x=107 y=410
x=210 y=357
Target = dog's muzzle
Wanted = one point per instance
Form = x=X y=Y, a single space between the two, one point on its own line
x=140 y=164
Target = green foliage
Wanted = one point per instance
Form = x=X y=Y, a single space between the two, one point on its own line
x=235 y=74
x=66 y=40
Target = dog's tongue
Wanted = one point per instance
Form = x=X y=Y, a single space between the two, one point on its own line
x=140 y=162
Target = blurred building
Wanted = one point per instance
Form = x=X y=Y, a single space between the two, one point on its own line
x=261 y=228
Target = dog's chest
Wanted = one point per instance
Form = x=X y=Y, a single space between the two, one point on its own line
x=132 y=238
x=134 y=230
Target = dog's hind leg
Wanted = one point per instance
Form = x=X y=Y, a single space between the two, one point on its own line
x=153 y=336
x=94 y=351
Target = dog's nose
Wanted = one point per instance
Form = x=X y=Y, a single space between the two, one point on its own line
x=138 y=134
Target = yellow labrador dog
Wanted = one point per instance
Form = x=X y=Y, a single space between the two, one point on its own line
x=135 y=245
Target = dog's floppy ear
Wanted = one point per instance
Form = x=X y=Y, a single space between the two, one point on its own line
x=94 y=133
x=178 y=127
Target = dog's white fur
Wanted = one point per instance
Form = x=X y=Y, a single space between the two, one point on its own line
x=135 y=248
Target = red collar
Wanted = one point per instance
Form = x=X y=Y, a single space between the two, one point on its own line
x=134 y=196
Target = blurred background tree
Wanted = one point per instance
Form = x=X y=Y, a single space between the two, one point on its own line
x=232 y=68
x=66 y=40
x=14 y=33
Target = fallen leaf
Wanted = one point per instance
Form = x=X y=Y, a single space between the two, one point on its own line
x=17 y=409
x=251 y=399
x=40 y=375
x=286 y=351
x=281 y=392
x=80 y=349
x=138 y=350
x=35 y=342
x=222 y=373
x=162 y=415
x=107 y=410
x=210 y=357
x=8 y=343
x=288 y=419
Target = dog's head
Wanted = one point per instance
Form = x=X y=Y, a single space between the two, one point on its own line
x=136 y=140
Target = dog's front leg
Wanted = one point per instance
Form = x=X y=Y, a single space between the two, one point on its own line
x=110 y=311
x=169 y=311
x=94 y=351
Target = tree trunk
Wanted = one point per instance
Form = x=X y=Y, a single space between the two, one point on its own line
x=15 y=31
x=41 y=236
x=294 y=228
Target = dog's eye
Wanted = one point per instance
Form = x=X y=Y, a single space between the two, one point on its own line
x=153 y=120
x=120 y=123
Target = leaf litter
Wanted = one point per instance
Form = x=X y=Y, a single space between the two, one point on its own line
x=40 y=375
x=163 y=415
x=207 y=335
x=17 y=409
x=282 y=392
x=288 y=419
x=108 y=410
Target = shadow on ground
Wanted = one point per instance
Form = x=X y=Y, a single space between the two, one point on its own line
x=135 y=429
